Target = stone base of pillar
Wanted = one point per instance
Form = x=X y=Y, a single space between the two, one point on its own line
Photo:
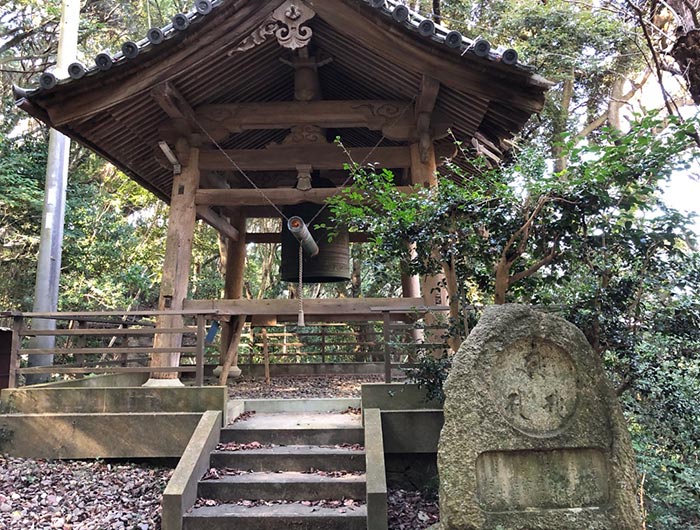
x=152 y=382
x=233 y=373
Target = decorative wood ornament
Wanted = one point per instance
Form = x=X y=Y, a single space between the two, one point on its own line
x=291 y=16
x=286 y=23
x=304 y=177
x=303 y=134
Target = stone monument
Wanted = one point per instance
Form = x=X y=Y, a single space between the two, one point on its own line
x=534 y=438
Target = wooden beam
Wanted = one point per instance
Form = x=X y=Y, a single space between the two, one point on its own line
x=324 y=307
x=218 y=222
x=276 y=237
x=394 y=118
x=279 y=196
x=287 y=157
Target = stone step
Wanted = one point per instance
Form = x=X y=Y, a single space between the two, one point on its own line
x=288 y=485
x=275 y=517
x=314 y=436
x=291 y=458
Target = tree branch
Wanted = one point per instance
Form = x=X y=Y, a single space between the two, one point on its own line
x=533 y=268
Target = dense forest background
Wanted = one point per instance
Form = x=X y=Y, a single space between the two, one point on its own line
x=573 y=221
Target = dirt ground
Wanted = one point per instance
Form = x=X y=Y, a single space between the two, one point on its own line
x=327 y=386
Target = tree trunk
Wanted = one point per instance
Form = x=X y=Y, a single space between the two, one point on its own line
x=437 y=15
x=502 y=281
x=454 y=340
x=559 y=125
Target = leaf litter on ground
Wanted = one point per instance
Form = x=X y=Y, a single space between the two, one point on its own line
x=411 y=510
x=80 y=495
x=327 y=386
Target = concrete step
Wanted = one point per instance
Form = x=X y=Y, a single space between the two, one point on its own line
x=315 y=436
x=291 y=458
x=275 y=517
x=296 y=428
x=288 y=485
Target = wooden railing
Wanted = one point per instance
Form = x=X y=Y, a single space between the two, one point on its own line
x=381 y=338
x=101 y=342
x=122 y=341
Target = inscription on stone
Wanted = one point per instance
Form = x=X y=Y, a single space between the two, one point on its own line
x=510 y=481
x=534 y=384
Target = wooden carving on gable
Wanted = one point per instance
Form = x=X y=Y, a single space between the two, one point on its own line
x=286 y=23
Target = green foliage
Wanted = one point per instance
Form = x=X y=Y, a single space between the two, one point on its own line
x=623 y=269
x=22 y=163
x=430 y=373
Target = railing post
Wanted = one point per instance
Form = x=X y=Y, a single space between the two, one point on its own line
x=17 y=324
x=387 y=346
x=252 y=347
x=199 y=359
x=81 y=342
x=266 y=356
x=323 y=344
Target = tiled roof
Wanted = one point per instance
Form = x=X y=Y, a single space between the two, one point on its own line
x=395 y=10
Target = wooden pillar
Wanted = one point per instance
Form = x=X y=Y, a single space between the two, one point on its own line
x=176 y=266
x=410 y=283
x=425 y=173
x=233 y=282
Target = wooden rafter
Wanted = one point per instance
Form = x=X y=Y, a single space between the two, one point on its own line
x=174 y=104
x=276 y=237
x=487 y=81
x=239 y=23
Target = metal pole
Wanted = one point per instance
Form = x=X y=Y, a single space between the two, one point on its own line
x=49 y=261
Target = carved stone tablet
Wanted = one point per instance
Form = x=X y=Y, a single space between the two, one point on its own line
x=534 y=384
x=533 y=435
x=512 y=481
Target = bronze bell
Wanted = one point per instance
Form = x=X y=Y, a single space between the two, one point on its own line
x=331 y=264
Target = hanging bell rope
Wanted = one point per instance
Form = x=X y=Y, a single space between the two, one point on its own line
x=300 y=293
x=300 y=231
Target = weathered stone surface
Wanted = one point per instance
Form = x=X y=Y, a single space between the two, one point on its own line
x=121 y=435
x=534 y=438
x=61 y=400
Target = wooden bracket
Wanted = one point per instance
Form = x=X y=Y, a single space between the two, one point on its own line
x=218 y=222
x=175 y=105
x=425 y=105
